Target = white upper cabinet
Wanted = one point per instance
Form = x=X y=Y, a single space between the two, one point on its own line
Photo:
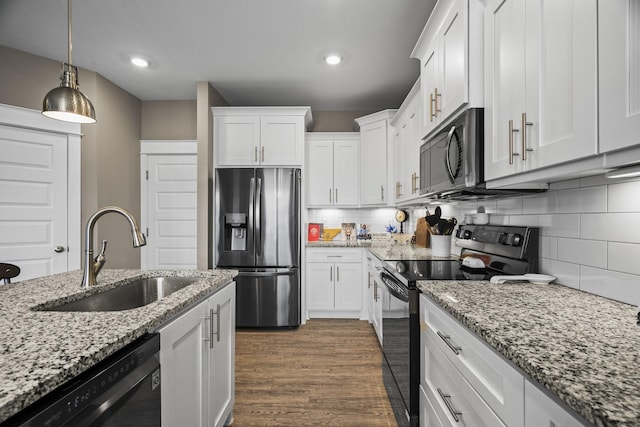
x=450 y=54
x=619 y=61
x=376 y=158
x=332 y=169
x=406 y=141
x=541 y=84
x=260 y=136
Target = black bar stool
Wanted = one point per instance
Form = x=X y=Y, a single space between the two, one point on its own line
x=8 y=272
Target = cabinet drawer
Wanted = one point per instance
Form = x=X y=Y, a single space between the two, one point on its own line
x=334 y=255
x=452 y=398
x=500 y=384
x=428 y=417
x=543 y=411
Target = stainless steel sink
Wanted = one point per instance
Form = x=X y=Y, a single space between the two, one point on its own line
x=131 y=295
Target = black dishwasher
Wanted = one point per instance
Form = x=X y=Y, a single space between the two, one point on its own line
x=123 y=390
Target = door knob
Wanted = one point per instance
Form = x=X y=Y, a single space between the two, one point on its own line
x=59 y=249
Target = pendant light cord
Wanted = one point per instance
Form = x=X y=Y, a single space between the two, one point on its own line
x=69 y=14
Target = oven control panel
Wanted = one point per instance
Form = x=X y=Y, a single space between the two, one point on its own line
x=510 y=241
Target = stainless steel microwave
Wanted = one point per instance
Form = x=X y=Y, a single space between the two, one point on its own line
x=452 y=160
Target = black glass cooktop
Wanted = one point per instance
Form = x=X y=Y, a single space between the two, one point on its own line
x=412 y=271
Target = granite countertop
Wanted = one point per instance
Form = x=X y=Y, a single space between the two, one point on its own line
x=40 y=350
x=584 y=348
x=400 y=252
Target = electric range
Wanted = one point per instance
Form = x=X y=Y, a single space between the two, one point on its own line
x=487 y=250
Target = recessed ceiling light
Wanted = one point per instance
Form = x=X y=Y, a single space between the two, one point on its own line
x=333 y=59
x=139 y=62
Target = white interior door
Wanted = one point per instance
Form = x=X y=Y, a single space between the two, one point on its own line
x=33 y=201
x=171 y=211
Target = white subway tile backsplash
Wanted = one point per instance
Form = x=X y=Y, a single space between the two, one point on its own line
x=585 y=252
x=545 y=203
x=549 y=247
x=620 y=199
x=612 y=227
x=610 y=284
x=624 y=257
x=566 y=273
x=560 y=225
x=581 y=200
x=589 y=230
x=528 y=220
x=510 y=206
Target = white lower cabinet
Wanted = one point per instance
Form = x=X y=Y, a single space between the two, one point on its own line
x=428 y=417
x=454 y=400
x=334 y=283
x=464 y=382
x=542 y=411
x=197 y=363
x=374 y=295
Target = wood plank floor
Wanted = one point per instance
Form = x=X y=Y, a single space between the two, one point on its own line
x=327 y=372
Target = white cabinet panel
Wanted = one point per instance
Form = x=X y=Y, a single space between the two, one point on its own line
x=407 y=140
x=451 y=63
x=619 y=68
x=373 y=164
x=541 y=83
x=281 y=141
x=499 y=384
x=259 y=136
x=237 y=139
x=320 y=173
x=334 y=283
x=197 y=359
x=542 y=411
x=183 y=356
x=332 y=169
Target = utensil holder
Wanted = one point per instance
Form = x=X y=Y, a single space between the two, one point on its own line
x=441 y=245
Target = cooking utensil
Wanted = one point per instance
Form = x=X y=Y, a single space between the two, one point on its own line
x=451 y=224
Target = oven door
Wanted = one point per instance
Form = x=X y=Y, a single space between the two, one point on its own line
x=396 y=344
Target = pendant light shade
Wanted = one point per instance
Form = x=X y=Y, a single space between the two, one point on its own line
x=66 y=102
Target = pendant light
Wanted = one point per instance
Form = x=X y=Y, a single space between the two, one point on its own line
x=66 y=102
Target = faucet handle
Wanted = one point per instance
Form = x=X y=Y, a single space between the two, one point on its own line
x=100 y=259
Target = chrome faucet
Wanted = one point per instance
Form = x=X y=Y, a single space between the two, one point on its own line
x=93 y=266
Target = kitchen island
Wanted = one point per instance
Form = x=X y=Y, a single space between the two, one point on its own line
x=42 y=350
x=583 y=348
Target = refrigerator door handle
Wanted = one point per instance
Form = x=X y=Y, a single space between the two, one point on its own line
x=257 y=217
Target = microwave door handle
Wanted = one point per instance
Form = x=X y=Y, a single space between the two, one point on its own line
x=447 y=161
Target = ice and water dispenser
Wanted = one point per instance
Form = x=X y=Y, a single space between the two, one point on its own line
x=235 y=232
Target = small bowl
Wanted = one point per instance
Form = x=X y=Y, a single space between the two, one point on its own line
x=481 y=218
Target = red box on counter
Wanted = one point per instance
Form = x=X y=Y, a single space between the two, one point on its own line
x=314 y=233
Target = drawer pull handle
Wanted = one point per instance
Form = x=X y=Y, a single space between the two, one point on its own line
x=447 y=341
x=447 y=401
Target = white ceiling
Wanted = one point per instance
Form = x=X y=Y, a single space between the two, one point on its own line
x=254 y=52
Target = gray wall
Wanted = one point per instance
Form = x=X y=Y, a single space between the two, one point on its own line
x=169 y=120
x=336 y=121
x=110 y=148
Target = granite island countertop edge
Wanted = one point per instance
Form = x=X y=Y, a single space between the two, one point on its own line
x=42 y=350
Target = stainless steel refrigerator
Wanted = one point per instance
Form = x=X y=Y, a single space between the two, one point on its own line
x=258 y=233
